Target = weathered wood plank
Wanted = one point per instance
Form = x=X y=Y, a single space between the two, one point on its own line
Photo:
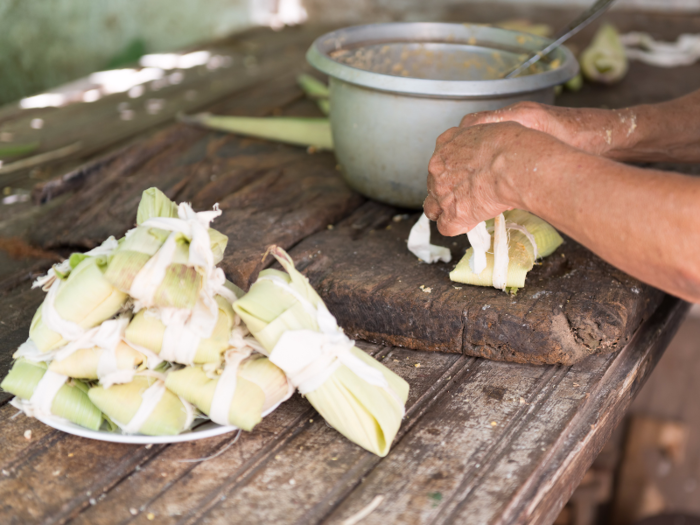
x=187 y=498
x=520 y=475
x=573 y=305
x=270 y=193
x=547 y=489
x=318 y=467
x=246 y=60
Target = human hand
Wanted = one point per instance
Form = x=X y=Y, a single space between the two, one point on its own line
x=596 y=131
x=480 y=171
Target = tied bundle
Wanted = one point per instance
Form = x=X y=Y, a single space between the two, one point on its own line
x=503 y=250
x=519 y=239
x=139 y=335
x=355 y=394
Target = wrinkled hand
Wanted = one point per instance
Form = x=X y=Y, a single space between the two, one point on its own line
x=587 y=129
x=480 y=171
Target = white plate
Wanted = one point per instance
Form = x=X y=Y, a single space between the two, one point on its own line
x=202 y=431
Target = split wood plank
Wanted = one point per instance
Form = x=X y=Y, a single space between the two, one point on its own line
x=574 y=304
x=249 y=59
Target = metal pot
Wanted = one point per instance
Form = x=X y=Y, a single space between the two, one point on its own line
x=396 y=87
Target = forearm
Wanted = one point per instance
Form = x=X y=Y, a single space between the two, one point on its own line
x=641 y=221
x=669 y=131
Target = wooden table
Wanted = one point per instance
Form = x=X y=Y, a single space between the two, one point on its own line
x=482 y=442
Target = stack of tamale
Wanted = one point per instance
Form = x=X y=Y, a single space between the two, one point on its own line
x=139 y=335
x=144 y=335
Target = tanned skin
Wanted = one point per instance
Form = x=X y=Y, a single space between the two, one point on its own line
x=564 y=165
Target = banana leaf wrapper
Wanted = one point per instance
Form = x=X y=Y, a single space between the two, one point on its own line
x=366 y=414
x=86 y=298
x=71 y=401
x=521 y=253
x=83 y=363
x=121 y=402
x=146 y=330
x=260 y=386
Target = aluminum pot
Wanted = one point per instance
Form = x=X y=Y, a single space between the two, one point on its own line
x=394 y=88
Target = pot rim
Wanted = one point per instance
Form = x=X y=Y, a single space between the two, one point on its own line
x=449 y=33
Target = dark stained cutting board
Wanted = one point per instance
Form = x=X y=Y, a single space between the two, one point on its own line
x=573 y=304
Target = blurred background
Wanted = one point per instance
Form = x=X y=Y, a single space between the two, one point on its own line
x=45 y=44
x=651 y=466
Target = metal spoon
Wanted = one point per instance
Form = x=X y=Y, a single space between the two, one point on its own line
x=570 y=30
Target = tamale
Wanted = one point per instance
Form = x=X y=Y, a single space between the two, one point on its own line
x=143 y=406
x=146 y=330
x=70 y=401
x=85 y=298
x=181 y=280
x=84 y=363
x=356 y=394
x=194 y=384
x=523 y=229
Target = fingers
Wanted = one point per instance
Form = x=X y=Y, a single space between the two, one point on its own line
x=431 y=208
x=482 y=117
x=446 y=137
x=448 y=227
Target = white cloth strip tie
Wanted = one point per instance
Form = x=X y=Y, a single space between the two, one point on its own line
x=39 y=405
x=195 y=227
x=480 y=241
x=68 y=330
x=149 y=400
x=641 y=46
x=500 y=253
x=226 y=387
x=180 y=343
x=419 y=243
x=297 y=351
x=151 y=275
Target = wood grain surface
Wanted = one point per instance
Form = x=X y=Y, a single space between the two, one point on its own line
x=483 y=441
